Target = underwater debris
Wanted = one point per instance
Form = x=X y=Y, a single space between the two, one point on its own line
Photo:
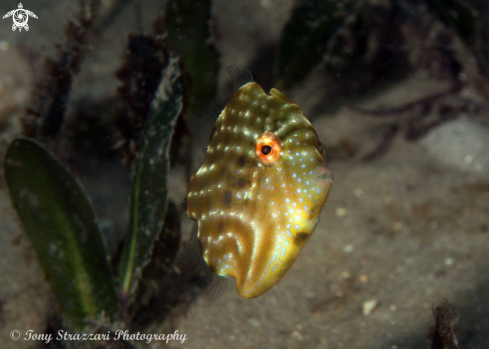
x=426 y=113
x=460 y=17
x=410 y=105
x=140 y=74
x=89 y=131
x=45 y=114
x=343 y=149
x=443 y=25
x=356 y=44
x=388 y=134
x=416 y=125
x=186 y=32
x=311 y=27
x=443 y=335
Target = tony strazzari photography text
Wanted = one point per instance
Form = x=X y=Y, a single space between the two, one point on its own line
x=117 y=335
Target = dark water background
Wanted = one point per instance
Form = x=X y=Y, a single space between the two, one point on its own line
x=397 y=91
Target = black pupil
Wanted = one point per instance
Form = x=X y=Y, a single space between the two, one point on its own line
x=266 y=149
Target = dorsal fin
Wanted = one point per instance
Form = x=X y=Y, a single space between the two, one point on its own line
x=276 y=93
x=239 y=75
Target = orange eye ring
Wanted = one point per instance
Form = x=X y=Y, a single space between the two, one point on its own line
x=268 y=148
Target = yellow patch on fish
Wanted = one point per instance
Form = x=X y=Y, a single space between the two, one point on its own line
x=258 y=195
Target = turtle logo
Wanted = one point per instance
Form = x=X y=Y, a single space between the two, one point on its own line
x=20 y=17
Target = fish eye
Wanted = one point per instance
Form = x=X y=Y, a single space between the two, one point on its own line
x=268 y=148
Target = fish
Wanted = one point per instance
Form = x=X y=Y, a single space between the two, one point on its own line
x=259 y=193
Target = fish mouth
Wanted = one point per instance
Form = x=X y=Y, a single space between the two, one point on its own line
x=323 y=177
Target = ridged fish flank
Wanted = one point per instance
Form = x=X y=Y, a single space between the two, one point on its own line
x=259 y=193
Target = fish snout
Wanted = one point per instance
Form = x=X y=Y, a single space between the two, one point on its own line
x=323 y=177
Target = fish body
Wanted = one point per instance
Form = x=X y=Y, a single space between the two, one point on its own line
x=259 y=193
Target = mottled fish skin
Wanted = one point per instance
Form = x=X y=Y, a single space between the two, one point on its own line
x=253 y=216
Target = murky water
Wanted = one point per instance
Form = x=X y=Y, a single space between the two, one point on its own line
x=397 y=91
